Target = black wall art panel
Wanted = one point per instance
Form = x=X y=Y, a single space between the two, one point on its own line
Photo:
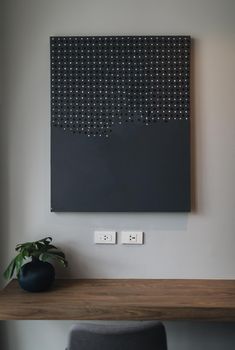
x=120 y=123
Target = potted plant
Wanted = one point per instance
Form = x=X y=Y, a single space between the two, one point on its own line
x=38 y=274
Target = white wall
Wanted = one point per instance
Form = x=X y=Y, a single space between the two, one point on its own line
x=198 y=245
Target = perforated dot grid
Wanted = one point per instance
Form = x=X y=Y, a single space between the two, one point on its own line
x=100 y=82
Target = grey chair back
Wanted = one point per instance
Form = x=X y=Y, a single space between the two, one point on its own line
x=140 y=335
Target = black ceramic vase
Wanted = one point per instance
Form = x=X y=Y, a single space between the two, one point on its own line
x=36 y=276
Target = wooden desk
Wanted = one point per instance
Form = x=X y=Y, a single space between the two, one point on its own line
x=122 y=300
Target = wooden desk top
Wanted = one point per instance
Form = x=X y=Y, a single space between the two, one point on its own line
x=114 y=299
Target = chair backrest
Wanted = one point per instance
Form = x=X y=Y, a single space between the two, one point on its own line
x=131 y=335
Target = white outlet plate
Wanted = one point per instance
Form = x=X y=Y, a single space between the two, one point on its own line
x=132 y=237
x=105 y=237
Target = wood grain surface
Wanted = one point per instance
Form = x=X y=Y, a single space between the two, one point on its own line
x=122 y=299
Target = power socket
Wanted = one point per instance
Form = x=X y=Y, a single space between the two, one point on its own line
x=105 y=237
x=132 y=237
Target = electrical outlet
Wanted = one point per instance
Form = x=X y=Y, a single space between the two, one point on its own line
x=132 y=237
x=105 y=237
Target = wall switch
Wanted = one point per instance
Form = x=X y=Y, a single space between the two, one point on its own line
x=132 y=237
x=105 y=237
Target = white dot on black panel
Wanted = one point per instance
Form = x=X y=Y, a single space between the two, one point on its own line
x=118 y=78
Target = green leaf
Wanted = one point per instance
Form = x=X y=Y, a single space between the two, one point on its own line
x=46 y=240
x=57 y=252
x=32 y=245
x=23 y=246
x=14 y=266
x=8 y=273
x=53 y=256
x=25 y=253
x=50 y=246
x=18 y=263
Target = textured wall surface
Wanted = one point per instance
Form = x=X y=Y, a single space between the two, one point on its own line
x=196 y=245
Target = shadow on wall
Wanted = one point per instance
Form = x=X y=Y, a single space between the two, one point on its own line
x=3 y=222
x=3 y=337
x=3 y=161
x=3 y=199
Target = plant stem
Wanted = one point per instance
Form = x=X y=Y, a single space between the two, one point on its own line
x=35 y=259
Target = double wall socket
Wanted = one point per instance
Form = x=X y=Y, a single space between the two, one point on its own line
x=127 y=237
